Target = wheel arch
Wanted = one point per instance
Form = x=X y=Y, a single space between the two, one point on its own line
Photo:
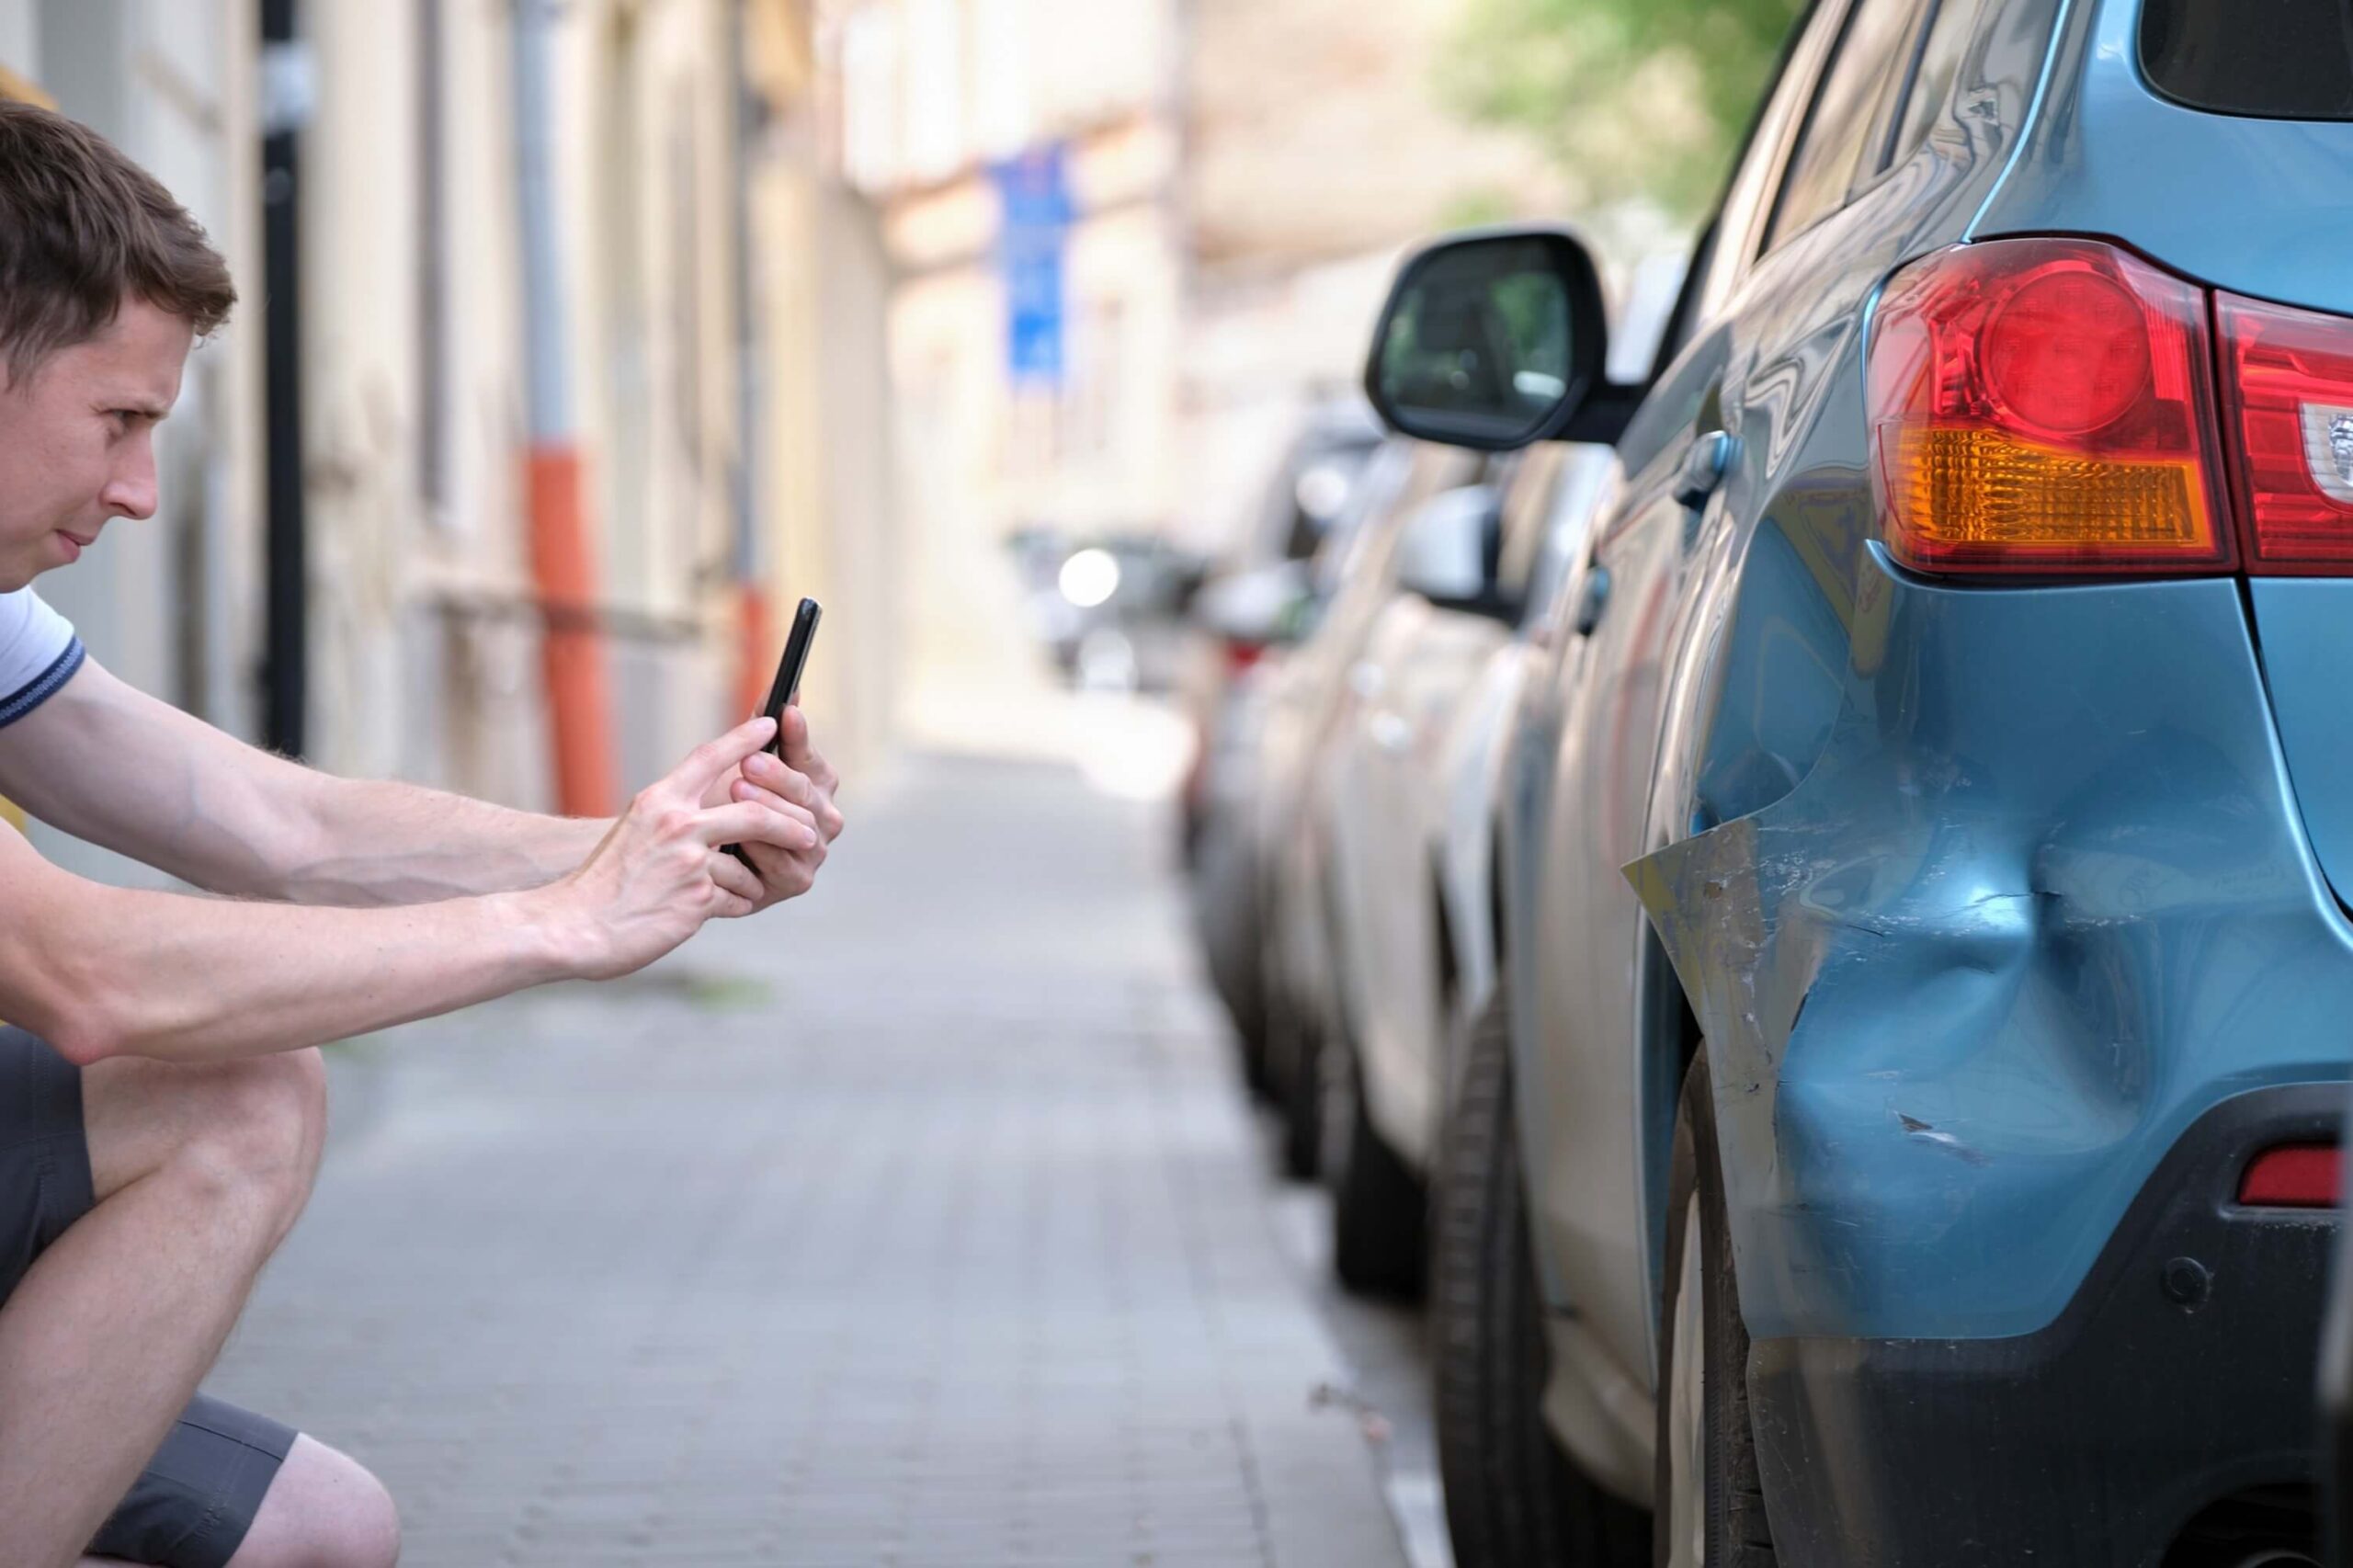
x=1671 y=1038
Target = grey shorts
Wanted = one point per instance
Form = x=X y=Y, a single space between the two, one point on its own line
x=197 y=1496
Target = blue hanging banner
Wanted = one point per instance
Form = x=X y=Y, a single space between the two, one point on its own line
x=1033 y=196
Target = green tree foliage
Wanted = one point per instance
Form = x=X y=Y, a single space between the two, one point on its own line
x=1630 y=96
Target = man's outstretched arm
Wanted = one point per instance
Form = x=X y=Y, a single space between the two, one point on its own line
x=383 y=841
x=108 y=763
x=101 y=972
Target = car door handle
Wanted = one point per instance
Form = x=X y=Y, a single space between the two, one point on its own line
x=1589 y=602
x=1704 y=467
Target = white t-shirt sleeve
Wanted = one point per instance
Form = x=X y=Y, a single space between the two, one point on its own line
x=38 y=653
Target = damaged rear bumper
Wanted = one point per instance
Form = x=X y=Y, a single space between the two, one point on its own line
x=1978 y=994
x=2043 y=901
x=2181 y=1375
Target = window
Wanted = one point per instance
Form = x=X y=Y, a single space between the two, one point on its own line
x=1932 y=78
x=1831 y=149
x=435 y=381
x=870 y=98
x=1527 y=515
x=2286 y=59
x=935 y=45
x=1001 y=51
x=1725 y=251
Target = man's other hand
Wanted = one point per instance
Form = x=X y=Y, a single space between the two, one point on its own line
x=801 y=785
x=659 y=873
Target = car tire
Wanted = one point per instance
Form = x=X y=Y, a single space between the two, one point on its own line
x=1380 y=1207
x=1225 y=916
x=1513 y=1498
x=1710 y=1499
x=1295 y=1062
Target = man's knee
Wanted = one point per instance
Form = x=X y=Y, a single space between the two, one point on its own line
x=249 y=1131
x=271 y=1129
x=324 y=1510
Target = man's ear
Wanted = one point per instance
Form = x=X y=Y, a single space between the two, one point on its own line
x=18 y=378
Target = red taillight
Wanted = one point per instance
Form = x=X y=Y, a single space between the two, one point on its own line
x=2293 y=1176
x=2289 y=382
x=2044 y=407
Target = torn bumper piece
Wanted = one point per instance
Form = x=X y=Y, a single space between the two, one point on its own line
x=2180 y=1375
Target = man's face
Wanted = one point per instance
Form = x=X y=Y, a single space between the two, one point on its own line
x=77 y=440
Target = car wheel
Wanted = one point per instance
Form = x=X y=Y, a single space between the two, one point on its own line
x=1296 y=1064
x=1711 y=1500
x=1513 y=1499
x=1233 y=942
x=1378 y=1205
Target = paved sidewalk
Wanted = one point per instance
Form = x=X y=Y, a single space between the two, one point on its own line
x=918 y=1224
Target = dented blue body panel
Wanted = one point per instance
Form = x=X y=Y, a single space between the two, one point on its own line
x=1982 y=895
x=2043 y=901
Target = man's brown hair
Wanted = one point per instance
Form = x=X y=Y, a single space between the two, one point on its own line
x=83 y=229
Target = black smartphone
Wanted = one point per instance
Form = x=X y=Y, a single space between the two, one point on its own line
x=787 y=685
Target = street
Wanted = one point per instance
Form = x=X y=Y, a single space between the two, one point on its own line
x=919 y=1223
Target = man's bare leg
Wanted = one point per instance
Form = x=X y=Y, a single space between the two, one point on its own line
x=199 y=1173
x=324 y=1508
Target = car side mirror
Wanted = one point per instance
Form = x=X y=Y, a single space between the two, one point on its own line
x=1491 y=339
x=1448 y=550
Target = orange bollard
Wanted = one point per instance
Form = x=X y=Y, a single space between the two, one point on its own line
x=579 y=696
x=755 y=652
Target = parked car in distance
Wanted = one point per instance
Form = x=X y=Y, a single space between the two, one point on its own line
x=1906 y=1131
x=1258 y=594
x=1110 y=607
x=1305 y=698
x=1262 y=598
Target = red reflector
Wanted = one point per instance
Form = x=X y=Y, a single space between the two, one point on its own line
x=2045 y=407
x=2293 y=1175
x=2289 y=384
x=1240 y=654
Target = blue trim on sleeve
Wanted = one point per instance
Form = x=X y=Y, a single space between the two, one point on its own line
x=42 y=687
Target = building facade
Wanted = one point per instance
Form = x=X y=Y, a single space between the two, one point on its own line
x=1025 y=156
x=720 y=329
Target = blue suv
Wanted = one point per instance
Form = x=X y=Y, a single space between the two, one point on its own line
x=1906 y=1132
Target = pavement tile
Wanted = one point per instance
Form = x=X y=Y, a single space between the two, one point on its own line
x=920 y=1222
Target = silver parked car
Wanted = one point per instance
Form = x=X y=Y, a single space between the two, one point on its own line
x=1408 y=798
x=1308 y=696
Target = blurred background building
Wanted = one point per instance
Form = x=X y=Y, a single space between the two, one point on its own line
x=733 y=418
x=842 y=297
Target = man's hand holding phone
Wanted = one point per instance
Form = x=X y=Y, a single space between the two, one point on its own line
x=800 y=784
x=659 y=872
x=787 y=774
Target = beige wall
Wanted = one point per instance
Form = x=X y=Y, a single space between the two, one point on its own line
x=924 y=95
x=424 y=631
x=1321 y=150
x=425 y=639
x=1317 y=132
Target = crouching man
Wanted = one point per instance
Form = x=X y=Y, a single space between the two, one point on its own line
x=161 y=1100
